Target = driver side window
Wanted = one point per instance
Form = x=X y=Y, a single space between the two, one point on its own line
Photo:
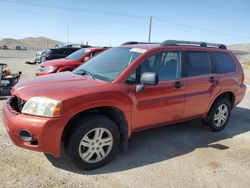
x=166 y=64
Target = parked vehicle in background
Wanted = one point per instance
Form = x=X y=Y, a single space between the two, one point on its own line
x=70 y=62
x=72 y=46
x=39 y=54
x=5 y=47
x=21 y=48
x=95 y=109
x=7 y=79
x=57 y=53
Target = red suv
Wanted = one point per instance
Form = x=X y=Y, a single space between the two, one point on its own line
x=94 y=110
x=70 y=62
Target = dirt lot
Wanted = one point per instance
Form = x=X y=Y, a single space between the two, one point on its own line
x=183 y=155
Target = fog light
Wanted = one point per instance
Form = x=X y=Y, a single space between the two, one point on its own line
x=25 y=135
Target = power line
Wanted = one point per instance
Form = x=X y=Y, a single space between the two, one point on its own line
x=75 y=9
x=150 y=28
x=67 y=33
x=190 y=27
x=70 y=16
x=162 y=21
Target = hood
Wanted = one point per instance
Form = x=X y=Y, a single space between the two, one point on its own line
x=58 y=86
x=58 y=62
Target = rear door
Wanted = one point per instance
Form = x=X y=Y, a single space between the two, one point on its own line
x=164 y=102
x=201 y=85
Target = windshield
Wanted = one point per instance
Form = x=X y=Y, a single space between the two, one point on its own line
x=109 y=64
x=77 y=54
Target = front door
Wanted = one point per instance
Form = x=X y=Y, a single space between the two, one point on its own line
x=164 y=102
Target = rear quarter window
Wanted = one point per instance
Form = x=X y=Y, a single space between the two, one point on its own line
x=70 y=50
x=223 y=62
x=198 y=63
x=56 y=51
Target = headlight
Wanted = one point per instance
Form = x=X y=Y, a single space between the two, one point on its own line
x=42 y=106
x=47 y=68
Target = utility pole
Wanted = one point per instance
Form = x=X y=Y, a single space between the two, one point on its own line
x=67 y=33
x=150 y=28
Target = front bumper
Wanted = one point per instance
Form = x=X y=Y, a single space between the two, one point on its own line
x=46 y=132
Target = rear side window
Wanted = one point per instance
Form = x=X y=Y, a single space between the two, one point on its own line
x=198 y=63
x=70 y=50
x=56 y=51
x=223 y=62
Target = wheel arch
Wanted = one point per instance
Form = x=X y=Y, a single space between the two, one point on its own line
x=225 y=94
x=111 y=112
x=65 y=68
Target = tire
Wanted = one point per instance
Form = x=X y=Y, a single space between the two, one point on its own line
x=215 y=120
x=93 y=142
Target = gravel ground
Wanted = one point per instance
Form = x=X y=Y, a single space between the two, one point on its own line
x=183 y=155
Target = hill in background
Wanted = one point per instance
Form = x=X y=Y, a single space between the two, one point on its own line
x=30 y=43
x=242 y=51
x=242 y=47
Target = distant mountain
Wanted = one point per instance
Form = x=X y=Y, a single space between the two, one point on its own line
x=242 y=51
x=30 y=43
x=241 y=47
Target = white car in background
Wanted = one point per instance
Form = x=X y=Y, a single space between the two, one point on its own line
x=39 y=54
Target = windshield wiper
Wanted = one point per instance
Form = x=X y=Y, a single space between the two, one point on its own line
x=84 y=72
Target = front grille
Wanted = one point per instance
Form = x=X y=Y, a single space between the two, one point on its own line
x=16 y=103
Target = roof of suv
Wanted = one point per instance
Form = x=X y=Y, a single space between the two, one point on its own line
x=176 y=44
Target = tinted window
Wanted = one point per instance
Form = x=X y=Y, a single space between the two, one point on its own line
x=132 y=78
x=94 y=54
x=77 y=55
x=70 y=50
x=167 y=65
x=223 y=62
x=198 y=63
x=56 y=51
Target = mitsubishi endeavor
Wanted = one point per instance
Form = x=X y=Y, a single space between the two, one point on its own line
x=95 y=109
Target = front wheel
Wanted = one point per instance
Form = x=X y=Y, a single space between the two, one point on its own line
x=218 y=115
x=94 y=142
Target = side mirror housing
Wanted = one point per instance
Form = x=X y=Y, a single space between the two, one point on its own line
x=147 y=78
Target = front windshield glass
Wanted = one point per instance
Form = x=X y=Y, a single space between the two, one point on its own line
x=77 y=54
x=109 y=64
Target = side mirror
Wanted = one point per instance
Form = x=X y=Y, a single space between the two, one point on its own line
x=147 y=78
x=86 y=58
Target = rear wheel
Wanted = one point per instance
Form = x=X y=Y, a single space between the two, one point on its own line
x=218 y=115
x=93 y=143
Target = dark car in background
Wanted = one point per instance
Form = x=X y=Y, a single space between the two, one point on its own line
x=5 y=47
x=57 y=53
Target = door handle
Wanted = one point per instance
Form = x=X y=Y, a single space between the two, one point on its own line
x=178 y=84
x=212 y=79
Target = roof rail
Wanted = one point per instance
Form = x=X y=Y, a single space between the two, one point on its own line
x=192 y=43
x=135 y=42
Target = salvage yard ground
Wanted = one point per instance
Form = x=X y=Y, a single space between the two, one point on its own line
x=183 y=155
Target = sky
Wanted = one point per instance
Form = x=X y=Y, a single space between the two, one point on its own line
x=112 y=22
